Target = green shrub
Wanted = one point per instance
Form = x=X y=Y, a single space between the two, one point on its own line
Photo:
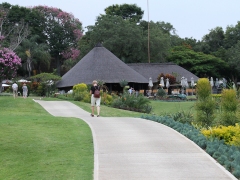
x=183 y=116
x=79 y=88
x=229 y=101
x=203 y=89
x=205 y=112
x=133 y=103
x=161 y=92
x=205 y=105
x=229 y=106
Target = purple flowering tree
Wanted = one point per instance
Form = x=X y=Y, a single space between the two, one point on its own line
x=9 y=63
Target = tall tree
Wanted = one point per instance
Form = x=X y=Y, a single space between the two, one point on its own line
x=214 y=40
x=232 y=35
x=233 y=59
x=120 y=36
x=127 y=11
x=13 y=28
x=62 y=32
x=159 y=41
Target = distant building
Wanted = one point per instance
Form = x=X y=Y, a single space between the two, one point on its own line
x=101 y=64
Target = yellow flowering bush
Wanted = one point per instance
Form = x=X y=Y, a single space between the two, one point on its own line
x=80 y=87
x=80 y=92
x=230 y=134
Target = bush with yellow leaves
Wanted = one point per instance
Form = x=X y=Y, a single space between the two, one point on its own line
x=230 y=134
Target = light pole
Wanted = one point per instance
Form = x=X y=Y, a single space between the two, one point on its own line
x=148 y=34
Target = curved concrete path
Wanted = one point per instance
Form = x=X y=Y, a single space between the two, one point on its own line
x=138 y=149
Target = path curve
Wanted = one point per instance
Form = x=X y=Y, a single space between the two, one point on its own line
x=138 y=149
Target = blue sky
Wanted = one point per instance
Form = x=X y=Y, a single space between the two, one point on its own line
x=191 y=18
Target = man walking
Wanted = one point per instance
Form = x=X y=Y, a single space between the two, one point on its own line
x=15 y=89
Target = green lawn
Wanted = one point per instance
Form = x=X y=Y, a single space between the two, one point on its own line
x=159 y=108
x=36 y=145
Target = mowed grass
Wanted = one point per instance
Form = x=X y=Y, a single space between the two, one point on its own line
x=159 y=108
x=36 y=145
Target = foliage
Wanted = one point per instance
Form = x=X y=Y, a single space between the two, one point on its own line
x=171 y=77
x=183 y=116
x=123 y=83
x=129 y=12
x=229 y=105
x=198 y=63
x=203 y=89
x=161 y=92
x=61 y=31
x=79 y=88
x=205 y=112
x=205 y=105
x=9 y=63
x=230 y=134
x=34 y=55
x=229 y=100
x=80 y=92
x=46 y=77
x=133 y=103
x=107 y=99
x=126 y=45
x=127 y=40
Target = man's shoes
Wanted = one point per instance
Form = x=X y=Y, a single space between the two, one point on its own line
x=92 y=115
x=97 y=115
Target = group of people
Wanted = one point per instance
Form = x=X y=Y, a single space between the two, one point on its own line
x=15 y=90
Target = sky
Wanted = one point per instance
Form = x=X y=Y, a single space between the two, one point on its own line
x=190 y=18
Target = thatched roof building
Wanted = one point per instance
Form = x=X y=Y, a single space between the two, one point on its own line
x=154 y=69
x=100 y=64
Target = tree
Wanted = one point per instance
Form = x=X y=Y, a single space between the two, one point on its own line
x=121 y=37
x=200 y=64
x=129 y=12
x=9 y=63
x=160 y=42
x=34 y=55
x=48 y=80
x=61 y=31
x=232 y=35
x=233 y=60
x=13 y=30
x=214 y=40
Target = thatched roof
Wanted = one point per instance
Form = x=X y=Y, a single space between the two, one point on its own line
x=100 y=64
x=154 y=69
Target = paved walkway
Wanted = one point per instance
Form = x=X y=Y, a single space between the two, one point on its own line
x=138 y=149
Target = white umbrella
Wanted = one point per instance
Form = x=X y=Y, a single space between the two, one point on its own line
x=5 y=85
x=167 y=83
x=150 y=83
x=211 y=81
x=162 y=82
x=216 y=82
x=23 y=80
x=186 y=83
x=182 y=82
x=192 y=82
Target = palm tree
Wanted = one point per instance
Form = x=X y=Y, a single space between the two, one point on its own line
x=34 y=54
